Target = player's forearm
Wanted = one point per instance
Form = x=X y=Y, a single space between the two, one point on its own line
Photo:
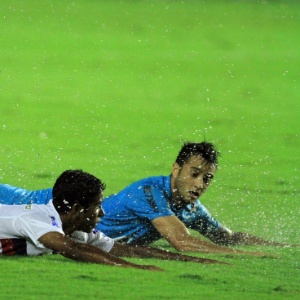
x=150 y=252
x=138 y=251
x=88 y=253
x=125 y=250
x=167 y=255
x=183 y=241
x=197 y=245
x=189 y=243
x=63 y=245
x=107 y=258
x=141 y=252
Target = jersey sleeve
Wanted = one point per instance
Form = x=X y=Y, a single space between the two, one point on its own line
x=148 y=203
x=34 y=225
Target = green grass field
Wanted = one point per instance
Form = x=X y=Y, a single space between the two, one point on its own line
x=115 y=87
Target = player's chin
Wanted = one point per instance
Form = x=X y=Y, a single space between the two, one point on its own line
x=88 y=228
x=192 y=198
x=189 y=200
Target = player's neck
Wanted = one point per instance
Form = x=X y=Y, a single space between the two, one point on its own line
x=67 y=224
x=177 y=199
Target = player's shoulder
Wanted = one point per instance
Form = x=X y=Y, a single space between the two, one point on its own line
x=153 y=181
x=138 y=187
x=21 y=210
x=8 y=191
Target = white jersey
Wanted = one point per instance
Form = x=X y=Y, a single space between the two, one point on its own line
x=21 y=226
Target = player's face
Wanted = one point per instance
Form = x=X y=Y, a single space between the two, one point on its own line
x=191 y=180
x=89 y=217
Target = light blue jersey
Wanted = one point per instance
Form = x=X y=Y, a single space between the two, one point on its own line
x=128 y=214
x=14 y=195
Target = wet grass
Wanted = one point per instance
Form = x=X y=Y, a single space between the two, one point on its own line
x=248 y=277
x=115 y=87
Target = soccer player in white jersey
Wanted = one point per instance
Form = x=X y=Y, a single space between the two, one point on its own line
x=64 y=225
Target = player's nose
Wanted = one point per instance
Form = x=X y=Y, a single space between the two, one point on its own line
x=199 y=184
x=101 y=212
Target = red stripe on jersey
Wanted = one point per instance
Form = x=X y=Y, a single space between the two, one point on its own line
x=13 y=246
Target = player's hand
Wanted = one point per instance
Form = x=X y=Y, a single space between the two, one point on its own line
x=208 y=261
x=150 y=268
x=258 y=254
x=288 y=245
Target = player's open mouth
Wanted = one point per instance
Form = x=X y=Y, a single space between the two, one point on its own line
x=194 y=195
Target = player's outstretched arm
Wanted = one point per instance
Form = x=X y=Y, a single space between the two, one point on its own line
x=242 y=238
x=86 y=253
x=174 y=231
x=151 y=252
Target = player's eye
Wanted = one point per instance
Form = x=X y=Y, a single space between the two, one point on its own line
x=207 y=179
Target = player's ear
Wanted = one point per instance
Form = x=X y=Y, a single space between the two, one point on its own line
x=76 y=209
x=175 y=170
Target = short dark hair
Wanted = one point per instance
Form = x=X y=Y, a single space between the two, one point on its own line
x=76 y=187
x=204 y=149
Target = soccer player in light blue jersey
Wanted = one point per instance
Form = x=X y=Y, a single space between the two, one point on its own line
x=166 y=206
